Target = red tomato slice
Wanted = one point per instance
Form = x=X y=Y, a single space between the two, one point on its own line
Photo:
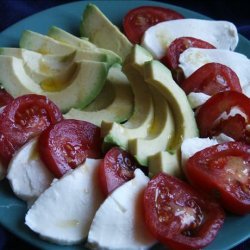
x=179 y=45
x=5 y=98
x=211 y=79
x=23 y=118
x=213 y=116
x=138 y=20
x=117 y=168
x=178 y=216
x=223 y=170
x=65 y=145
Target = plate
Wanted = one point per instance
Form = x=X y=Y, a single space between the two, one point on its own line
x=67 y=16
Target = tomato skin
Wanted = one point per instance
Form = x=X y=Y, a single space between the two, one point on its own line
x=169 y=203
x=138 y=20
x=223 y=170
x=117 y=168
x=211 y=79
x=234 y=126
x=23 y=118
x=179 y=45
x=65 y=145
x=5 y=98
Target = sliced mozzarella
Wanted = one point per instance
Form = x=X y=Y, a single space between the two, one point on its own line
x=119 y=222
x=191 y=146
x=27 y=174
x=221 y=138
x=221 y=34
x=193 y=58
x=64 y=212
x=197 y=99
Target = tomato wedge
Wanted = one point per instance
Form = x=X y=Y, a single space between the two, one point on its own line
x=223 y=170
x=65 y=145
x=138 y=20
x=5 y=98
x=179 y=45
x=23 y=118
x=178 y=216
x=226 y=112
x=211 y=79
x=117 y=168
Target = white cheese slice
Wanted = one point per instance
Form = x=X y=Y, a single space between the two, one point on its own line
x=197 y=99
x=27 y=174
x=193 y=58
x=191 y=146
x=119 y=222
x=221 y=34
x=64 y=212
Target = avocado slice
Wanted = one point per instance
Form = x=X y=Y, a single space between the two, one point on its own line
x=166 y=162
x=158 y=76
x=43 y=44
x=85 y=84
x=41 y=67
x=139 y=123
x=79 y=43
x=98 y=28
x=160 y=133
x=119 y=110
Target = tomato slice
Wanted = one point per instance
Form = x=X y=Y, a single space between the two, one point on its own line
x=138 y=20
x=211 y=79
x=23 y=118
x=5 y=98
x=223 y=170
x=179 y=45
x=65 y=145
x=117 y=168
x=178 y=216
x=226 y=112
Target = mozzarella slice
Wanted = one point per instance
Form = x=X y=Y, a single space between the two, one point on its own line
x=27 y=174
x=193 y=58
x=197 y=99
x=191 y=146
x=119 y=222
x=64 y=212
x=221 y=34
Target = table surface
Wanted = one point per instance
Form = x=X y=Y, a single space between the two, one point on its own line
x=12 y=11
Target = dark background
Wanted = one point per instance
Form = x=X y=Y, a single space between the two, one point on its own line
x=12 y=11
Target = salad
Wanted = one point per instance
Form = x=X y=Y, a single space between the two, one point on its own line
x=59 y=145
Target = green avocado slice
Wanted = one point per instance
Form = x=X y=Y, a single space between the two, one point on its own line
x=79 y=43
x=157 y=75
x=85 y=84
x=160 y=133
x=98 y=28
x=139 y=123
x=120 y=108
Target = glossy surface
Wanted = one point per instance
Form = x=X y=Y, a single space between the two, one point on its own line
x=12 y=210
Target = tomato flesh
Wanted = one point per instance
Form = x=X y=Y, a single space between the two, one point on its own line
x=223 y=170
x=138 y=20
x=117 y=168
x=178 y=216
x=211 y=79
x=179 y=45
x=65 y=145
x=213 y=117
x=23 y=118
x=5 y=98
